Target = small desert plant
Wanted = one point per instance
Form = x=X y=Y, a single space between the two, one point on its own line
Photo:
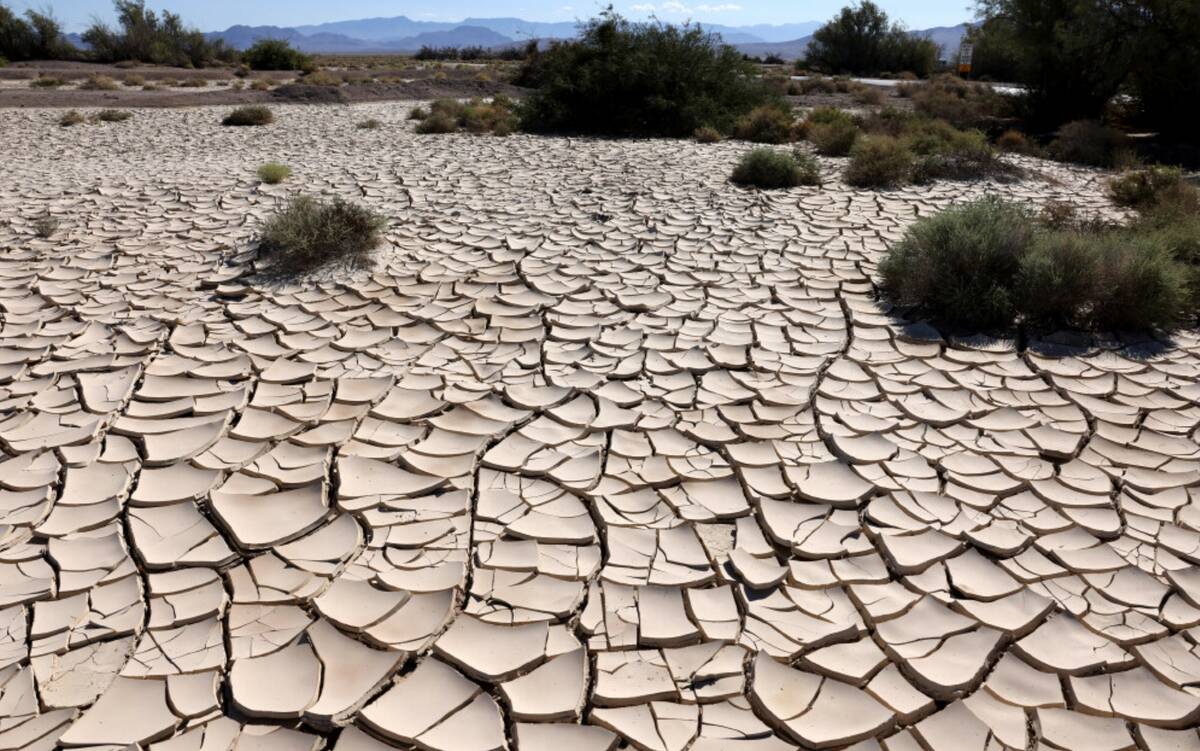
x=273 y=173
x=260 y=84
x=705 y=134
x=371 y=124
x=309 y=233
x=475 y=116
x=1015 y=142
x=47 y=82
x=251 y=115
x=237 y=84
x=113 y=116
x=99 y=83
x=133 y=80
x=322 y=78
x=418 y=113
x=766 y=124
x=1139 y=284
x=833 y=138
x=1141 y=187
x=45 y=226
x=868 y=95
x=193 y=83
x=71 y=117
x=951 y=153
x=767 y=168
x=878 y=162
x=437 y=122
x=1088 y=142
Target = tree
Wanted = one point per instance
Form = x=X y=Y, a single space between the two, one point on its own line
x=862 y=41
x=143 y=36
x=638 y=79
x=275 y=54
x=1076 y=55
x=37 y=36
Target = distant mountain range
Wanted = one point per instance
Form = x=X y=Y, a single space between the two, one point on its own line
x=404 y=35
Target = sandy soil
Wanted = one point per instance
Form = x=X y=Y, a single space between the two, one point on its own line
x=602 y=449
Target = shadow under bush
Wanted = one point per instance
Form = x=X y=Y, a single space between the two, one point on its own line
x=310 y=233
x=620 y=78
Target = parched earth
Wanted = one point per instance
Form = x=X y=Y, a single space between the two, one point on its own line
x=604 y=451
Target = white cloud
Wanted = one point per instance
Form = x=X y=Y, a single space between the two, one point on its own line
x=674 y=6
x=642 y=8
x=723 y=8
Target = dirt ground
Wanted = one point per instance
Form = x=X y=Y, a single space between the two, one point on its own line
x=176 y=87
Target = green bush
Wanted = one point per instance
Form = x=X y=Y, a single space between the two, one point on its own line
x=705 y=134
x=639 y=79
x=769 y=123
x=273 y=173
x=960 y=264
x=1138 y=188
x=46 y=82
x=834 y=138
x=767 y=169
x=275 y=54
x=309 y=233
x=36 y=36
x=438 y=122
x=1088 y=142
x=71 y=117
x=878 y=162
x=944 y=152
x=255 y=114
x=988 y=263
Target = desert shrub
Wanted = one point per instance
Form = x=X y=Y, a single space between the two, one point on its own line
x=705 y=134
x=1014 y=141
x=768 y=168
x=988 y=263
x=309 y=233
x=3 y=61
x=1088 y=142
x=418 y=113
x=1140 y=285
x=475 y=116
x=46 y=82
x=638 y=79
x=99 y=83
x=1141 y=187
x=260 y=84
x=437 y=122
x=193 y=83
x=816 y=84
x=144 y=35
x=133 y=80
x=71 y=117
x=275 y=54
x=254 y=114
x=273 y=173
x=960 y=264
x=113 y=116
x=1056 y=278
x=322 y=78
x=878 y=161
x=868 y=95
x=835 y=137
x=237 y=85
x=862 y=41
x=944 y=152
x=369 y=124
x=769 y=123
x=962 y=104
x=45 y=226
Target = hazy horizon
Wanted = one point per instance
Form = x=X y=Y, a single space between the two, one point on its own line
x=217 y=15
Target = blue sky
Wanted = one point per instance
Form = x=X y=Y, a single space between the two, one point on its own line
x=212 y=15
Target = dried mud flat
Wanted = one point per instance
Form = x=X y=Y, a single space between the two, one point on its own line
x=604 y=451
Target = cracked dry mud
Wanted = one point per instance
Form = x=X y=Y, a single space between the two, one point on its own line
x=604 y=452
